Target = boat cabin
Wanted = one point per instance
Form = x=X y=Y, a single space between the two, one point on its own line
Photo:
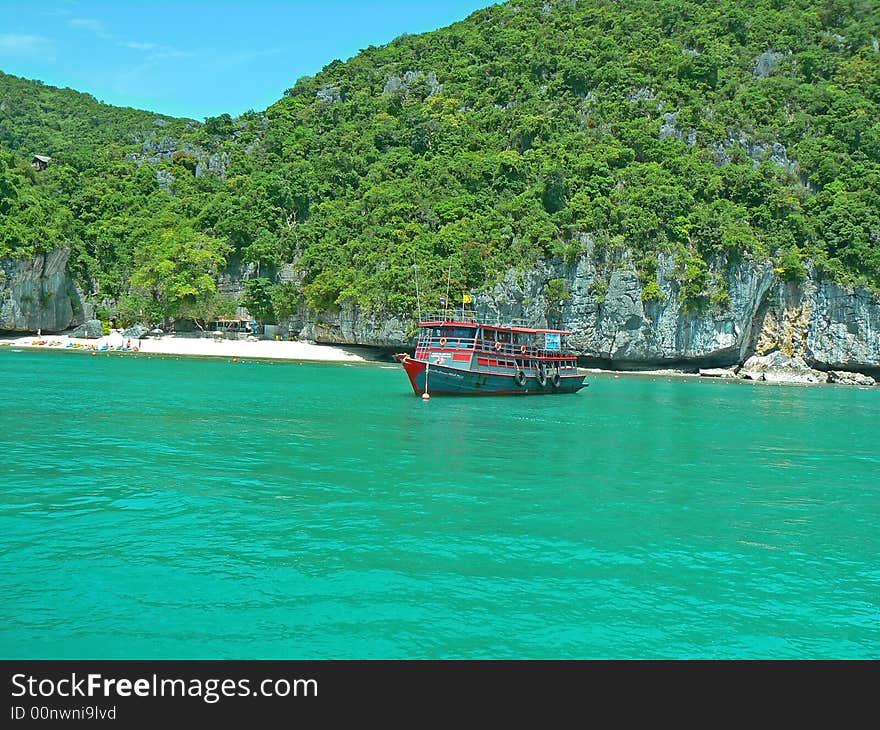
x=492 y=348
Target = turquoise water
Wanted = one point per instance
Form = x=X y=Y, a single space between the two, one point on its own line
x=164 y=508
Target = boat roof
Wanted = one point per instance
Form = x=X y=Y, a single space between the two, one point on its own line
x=458 y=321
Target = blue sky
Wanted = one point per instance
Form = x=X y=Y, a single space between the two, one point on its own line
x=200 y=58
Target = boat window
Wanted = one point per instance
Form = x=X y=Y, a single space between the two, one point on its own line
x=457 y=332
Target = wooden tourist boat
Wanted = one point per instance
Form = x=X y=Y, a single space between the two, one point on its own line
x=458 y=355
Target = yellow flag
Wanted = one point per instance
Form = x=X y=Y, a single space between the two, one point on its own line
x=466 y=299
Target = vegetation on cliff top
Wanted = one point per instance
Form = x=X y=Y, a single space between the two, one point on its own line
x=533 y=129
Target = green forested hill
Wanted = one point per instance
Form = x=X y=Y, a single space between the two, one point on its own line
x=702 y=130
x=37 y=117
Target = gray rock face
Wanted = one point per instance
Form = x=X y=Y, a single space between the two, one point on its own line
x=622 y=330
x=725 y=373
x=231 y=282
x=670 y=128
x=845 y=378
x=91 y=329
x=351 y=326
x=641 y=94
x=766 y=62
x=216 y=164
x=162 y=148
x=136 y=331
x=757 y=152
x=780 y=368
x=155 y=151
x=817 y=325
x=330 y=93
x=843 y=332
x=393 y=84
x=38 y=293
x=164 y=179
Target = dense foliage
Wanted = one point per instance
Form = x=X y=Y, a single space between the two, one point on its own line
x=533 y=129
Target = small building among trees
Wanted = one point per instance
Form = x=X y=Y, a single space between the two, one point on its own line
x=236 y=327
x=40 y=162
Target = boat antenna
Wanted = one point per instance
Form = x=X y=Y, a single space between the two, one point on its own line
x=448 y=277
x=418 y=301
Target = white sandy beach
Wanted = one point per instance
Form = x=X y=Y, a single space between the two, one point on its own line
x=190 y=346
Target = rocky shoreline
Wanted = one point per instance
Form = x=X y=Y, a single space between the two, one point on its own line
x=779 y=368
x=774 y=368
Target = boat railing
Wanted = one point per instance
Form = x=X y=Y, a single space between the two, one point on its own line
x=450 y=315
x=489 y=347
x=470 y=317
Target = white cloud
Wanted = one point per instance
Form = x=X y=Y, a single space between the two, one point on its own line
x=154 y=51
x=91 y=25
x=26 y=44
x=138 y=46
x=164 y=53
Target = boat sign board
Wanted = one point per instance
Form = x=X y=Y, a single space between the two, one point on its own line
x=552 y=341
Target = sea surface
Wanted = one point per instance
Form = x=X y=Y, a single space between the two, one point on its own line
x=182 y=508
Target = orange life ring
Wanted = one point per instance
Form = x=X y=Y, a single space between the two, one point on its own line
x=442 y=342
x=522 y=349
x=498 y=346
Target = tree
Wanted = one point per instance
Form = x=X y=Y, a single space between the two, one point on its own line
x=285 y=299
x=203 y=310
x=257 y=299
x=177 y=267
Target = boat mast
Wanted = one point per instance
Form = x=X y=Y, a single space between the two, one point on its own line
x=418 y=301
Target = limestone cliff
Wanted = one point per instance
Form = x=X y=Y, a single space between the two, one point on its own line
x=827 y=325
x=614 y=325
x=38 y=293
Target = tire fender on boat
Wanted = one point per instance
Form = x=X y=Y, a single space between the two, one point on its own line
x=555 y=379
x=542 y=376
x=520 y=378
